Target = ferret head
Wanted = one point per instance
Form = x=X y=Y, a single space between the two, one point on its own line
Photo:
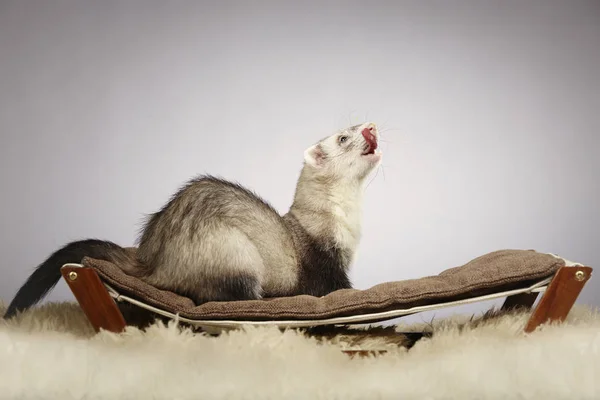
x=350 y=153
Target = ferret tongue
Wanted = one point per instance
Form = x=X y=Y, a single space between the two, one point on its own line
x=371 y=139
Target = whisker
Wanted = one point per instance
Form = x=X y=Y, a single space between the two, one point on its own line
x=350 y=118
x=375 y=176
x=384 y=130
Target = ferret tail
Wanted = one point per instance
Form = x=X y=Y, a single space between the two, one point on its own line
x=47 y=274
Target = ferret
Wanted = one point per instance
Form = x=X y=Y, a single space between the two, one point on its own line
x=215 y=240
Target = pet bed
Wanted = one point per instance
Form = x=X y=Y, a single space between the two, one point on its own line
x=518 y=275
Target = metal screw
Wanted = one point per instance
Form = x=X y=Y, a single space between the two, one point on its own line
x=580 y=275
x=72 y=275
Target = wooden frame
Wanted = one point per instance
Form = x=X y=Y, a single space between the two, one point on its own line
x=554 y=305
x=95 y=301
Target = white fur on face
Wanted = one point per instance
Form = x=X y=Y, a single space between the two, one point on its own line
x=340 y=156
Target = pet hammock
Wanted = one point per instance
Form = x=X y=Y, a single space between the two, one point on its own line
x=517 y=275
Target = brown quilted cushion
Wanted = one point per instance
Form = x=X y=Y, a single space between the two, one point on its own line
x=491 y=273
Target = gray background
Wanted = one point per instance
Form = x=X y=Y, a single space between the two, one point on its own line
x=489 y=110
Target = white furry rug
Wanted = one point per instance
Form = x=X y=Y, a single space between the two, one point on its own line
x=52 y=353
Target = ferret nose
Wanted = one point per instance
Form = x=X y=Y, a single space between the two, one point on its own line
x=372 y=128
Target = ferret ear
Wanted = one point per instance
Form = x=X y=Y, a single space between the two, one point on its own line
x=314 y=156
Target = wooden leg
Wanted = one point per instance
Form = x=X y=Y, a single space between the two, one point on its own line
x=559 y=297
x=100 y=309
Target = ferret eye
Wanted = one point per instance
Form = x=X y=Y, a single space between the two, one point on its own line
x=343 y=139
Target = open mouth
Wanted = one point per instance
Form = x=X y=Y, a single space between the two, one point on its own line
x=371 y=140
